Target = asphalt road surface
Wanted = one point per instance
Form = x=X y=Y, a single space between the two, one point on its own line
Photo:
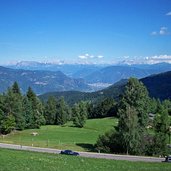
x=85 y=154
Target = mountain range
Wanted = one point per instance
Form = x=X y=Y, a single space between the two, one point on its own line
x=95 y=74
x=113 y=74
x=158 y=86
x=72 y=77
x=40 y=81
x=71 y=70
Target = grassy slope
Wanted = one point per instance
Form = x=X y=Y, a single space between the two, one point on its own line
x=63 y=137
x=12 y=160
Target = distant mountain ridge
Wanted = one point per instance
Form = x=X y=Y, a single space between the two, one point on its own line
x=93 y=73
x=113 y=74
x=158 y=85
x=97 y=77
x=40 y=81
x=72 y=70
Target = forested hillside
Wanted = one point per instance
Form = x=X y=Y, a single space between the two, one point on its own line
x=159 y=85
x=72 y=97
x=40 y=81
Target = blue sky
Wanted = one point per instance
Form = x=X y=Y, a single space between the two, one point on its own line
x=85 y=30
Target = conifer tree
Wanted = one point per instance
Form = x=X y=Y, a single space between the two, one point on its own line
x=79 y=114
x=28 y=113
x=37 y=109
x=167 y=105
x=13 y=106
x=104 y=108
x=133 y=116
x=18 y=107
x=161 y=128
x=62 y=112
x=50 y=110
x=7 y=124
x=16 y=89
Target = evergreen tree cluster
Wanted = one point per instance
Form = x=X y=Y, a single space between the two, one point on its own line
x=106 y=107
x=56 y=112
x=143 y=126
x=18 y=112
x=79 y=114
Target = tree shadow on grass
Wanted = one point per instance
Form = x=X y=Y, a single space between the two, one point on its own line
x=73 y=126
x=87 y=147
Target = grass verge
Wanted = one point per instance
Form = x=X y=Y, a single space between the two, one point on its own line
x=12 y=160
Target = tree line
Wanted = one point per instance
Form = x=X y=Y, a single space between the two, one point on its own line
x=25 y=111
x=143 y=123
x=19 y=111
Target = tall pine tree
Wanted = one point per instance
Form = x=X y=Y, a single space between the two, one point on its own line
x=50 y=111
x=37 y=109
x=79 y=114
x=133 y=116
x=13 y=106
x=161 y=128
x=18 y=107
x=62 y=112
x=28 y=113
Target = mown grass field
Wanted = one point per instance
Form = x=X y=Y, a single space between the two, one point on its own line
x=12 y=160
x=63 y=137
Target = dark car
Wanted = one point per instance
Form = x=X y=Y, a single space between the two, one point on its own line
x=69 y=152
x=168 y=159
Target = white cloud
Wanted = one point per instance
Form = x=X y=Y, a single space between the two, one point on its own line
x=161 y=57
x=154 y=33
x=126 y=57
x=82 y=57
x=100 y=56
x=162 y=32
x=169 y=13
x=88 y=56
x=158 y=59
x=147 y=60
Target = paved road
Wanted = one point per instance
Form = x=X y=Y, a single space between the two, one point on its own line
x=84 y=154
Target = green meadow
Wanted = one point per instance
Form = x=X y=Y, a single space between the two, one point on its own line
x=12 y=160
x=63 y=137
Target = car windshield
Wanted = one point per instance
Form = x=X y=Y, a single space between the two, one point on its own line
x=68 y=151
